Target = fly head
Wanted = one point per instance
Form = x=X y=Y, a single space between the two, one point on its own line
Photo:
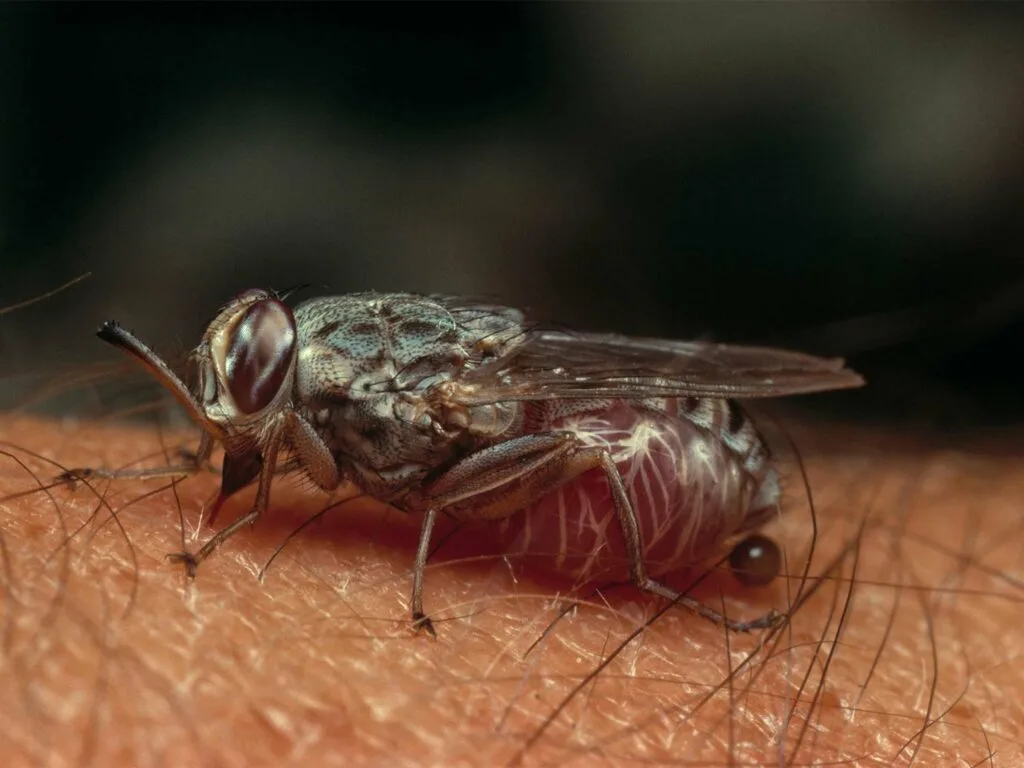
x=246 y=364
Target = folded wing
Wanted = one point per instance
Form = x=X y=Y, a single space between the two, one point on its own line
x=551 y=364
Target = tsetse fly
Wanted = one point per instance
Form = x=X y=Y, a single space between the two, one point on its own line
x=597 y=451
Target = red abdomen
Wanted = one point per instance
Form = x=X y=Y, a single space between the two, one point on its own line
x=689 y=489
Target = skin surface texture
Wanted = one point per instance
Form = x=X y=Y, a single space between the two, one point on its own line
x=906 y=652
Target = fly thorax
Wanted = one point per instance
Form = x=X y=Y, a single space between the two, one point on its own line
x=370 y=369
x=483 y=422
x=382 y=431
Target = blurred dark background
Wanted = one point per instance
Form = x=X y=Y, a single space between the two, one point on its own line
x=843 y=178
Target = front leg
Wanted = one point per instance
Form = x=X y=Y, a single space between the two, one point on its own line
x=311 y=455
x=510 y=476
x=238 y=473
x=191 y=463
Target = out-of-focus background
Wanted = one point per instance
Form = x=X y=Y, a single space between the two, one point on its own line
x=843 y=178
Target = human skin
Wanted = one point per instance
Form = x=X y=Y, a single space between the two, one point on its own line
x=111 y=658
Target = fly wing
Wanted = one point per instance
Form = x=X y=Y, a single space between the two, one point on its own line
x=549 y=365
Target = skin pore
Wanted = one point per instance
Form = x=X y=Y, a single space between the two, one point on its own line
x=908 y=653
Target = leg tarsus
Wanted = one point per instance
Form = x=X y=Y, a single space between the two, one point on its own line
x=72 y=477
x=193 y=461
x=191 y=560
x=419 y=619
x=267 y=465
x=771 y=619
x=188 y=560
x=422 y=623
x=638 y=568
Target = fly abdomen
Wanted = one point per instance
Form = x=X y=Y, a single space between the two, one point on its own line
x=725 y=420
x=691 y=488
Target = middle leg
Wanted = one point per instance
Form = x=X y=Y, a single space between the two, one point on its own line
x=504 y=479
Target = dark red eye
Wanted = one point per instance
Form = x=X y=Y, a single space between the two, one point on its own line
x=260 y=350
x=756 y=560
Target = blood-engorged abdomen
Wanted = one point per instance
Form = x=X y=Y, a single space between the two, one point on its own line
x=690 y=489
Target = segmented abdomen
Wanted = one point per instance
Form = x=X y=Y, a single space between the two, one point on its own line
x=695 y=470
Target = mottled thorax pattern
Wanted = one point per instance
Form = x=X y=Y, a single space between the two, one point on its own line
x=370 y=369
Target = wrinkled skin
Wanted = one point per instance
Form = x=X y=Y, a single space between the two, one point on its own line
x=317 y=666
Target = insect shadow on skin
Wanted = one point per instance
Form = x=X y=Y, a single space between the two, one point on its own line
x=444 y=405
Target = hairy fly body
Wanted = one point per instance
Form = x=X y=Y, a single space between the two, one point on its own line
x=597 y=452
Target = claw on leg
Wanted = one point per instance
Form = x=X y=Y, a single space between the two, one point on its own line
x=420 y=619
x=422 y=623
x=72 y=477
x=188 y=560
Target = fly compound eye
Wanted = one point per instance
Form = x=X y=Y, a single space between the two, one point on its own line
x=260 y=350
x=755 y=561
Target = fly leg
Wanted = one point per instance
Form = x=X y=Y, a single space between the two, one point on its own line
x=508 y=477
x=238 y=472
x=593 y=457
x=419 y=619
x=520 y=461
x=191 y=463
